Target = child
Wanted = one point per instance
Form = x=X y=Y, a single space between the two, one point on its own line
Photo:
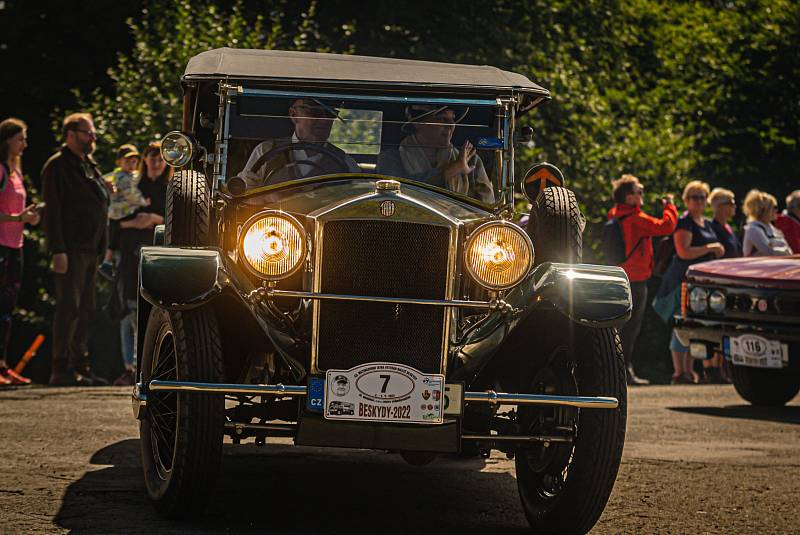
x=125 y=199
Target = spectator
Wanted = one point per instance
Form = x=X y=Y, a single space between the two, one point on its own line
x=761 y=238
x=637 y=229
x=75 y=221
x=723 y=203
x=695 y=241
x=137 y=230
x=13 y=216
x=125 y=199
x=789 y=221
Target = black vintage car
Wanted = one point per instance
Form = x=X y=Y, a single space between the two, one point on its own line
x=340 y=265
x=747 y=309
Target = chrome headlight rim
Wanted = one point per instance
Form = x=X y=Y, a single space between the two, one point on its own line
x=476 y=233
x=717 y=301
x=304 y=243
x=169 y=140
x=698 y=295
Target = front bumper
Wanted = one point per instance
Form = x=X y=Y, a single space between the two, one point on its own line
x=713 y=330
x=314 y=430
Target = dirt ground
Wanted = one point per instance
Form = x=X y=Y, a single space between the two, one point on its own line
x=697 y=460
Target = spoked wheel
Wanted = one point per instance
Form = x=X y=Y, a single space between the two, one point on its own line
x=564 y=486
x=162 y=411
x=181 y=433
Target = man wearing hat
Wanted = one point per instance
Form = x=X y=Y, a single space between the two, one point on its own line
x=428 y=155
x=312 y=120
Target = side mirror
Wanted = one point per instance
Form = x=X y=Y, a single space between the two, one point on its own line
x=524 y=136
x=540 y=176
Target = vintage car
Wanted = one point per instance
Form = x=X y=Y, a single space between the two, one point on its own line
x=298 y=275
x=747 y=309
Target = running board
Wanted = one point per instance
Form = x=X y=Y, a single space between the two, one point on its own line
x=490 y=397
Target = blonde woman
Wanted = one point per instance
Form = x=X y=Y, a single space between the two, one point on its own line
x=695 y=241
x=723 y=203
x=761 y=238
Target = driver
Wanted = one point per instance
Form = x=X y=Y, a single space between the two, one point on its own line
x=312 y=121
x=428 y=155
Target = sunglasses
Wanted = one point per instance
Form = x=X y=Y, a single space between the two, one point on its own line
x=696 y=198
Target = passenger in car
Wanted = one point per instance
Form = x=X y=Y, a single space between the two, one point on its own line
x=428 y=155
x=312 y=120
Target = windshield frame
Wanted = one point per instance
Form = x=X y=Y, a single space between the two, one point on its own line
x=503 y=106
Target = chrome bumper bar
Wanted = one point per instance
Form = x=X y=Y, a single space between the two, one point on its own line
x=271 y=293
x=491 y=397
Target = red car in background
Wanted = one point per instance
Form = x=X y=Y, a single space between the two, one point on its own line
x=749 y=310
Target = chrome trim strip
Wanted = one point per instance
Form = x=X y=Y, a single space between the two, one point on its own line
x=522 y=438
x=500 y=398
x=226 y=388
x=269 y=293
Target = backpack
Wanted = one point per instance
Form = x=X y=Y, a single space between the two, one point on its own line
x=664 y=251
x=613 y=242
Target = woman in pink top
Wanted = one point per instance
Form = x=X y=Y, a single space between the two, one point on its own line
x=13 y=216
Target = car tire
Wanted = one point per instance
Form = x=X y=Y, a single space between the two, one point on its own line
x=760 y=386
x=586 y=470
x=187 y=219
x=556 y=227
x=181 y=434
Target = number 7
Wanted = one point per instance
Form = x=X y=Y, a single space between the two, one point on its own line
x=385 y=382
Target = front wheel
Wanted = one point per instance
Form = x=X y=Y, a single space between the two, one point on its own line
x=765 y=387
x=181 y=434
x=564 y=487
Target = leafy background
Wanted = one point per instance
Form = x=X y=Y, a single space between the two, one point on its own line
x=668 y=91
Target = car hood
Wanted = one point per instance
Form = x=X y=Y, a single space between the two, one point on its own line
x=313 y=197
x=764 y=271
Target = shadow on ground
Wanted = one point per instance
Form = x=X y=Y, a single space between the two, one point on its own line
x=285 y=489
x=785 y=415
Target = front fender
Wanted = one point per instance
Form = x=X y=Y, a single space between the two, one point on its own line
x=180 y=278
x=591 y=295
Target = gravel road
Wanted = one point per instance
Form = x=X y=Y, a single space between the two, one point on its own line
x=697 y=460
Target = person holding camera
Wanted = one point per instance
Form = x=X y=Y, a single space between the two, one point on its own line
x=637 y=229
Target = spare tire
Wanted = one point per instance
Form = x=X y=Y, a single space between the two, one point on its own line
x=556 y=227
x=187 y=220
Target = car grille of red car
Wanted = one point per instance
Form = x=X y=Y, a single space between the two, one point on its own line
x=385 y=259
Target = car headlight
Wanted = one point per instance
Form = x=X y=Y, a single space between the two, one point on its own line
x=498 y=255
x=177 y=149
x=716 y=302
x=698 y=300
x=273 y=245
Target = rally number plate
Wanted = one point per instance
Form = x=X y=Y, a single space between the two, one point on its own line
x=758 y=352
x=384 y=392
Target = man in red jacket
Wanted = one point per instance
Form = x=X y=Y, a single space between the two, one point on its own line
x=789 y=221
x=637 y=229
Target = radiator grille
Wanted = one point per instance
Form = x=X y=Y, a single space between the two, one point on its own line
x=384 y=259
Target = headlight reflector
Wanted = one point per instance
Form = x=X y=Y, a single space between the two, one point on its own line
x=177 y=149
x=498 y=255
x=716 y=302
x=273 y=245
x=698 y=300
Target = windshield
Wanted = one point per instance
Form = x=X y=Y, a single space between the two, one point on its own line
x=452 y=144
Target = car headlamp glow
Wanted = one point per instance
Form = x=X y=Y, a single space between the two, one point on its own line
x=273 y=245
x=716 y=302
x=698 y=300
x=177 y=149
x=498 y=255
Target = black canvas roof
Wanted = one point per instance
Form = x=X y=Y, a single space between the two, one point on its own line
x=311 y=66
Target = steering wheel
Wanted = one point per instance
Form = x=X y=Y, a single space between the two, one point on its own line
x=339 y=163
